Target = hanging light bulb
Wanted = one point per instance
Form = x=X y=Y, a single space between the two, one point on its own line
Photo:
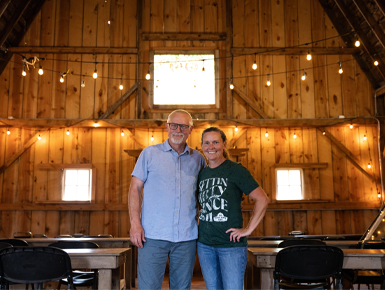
x=379 y=196
x=254 y=66
x=120 y=85
x=68 y=132
x=266 y=134
x=268 y=83
x=96 y=124
x=357 y=43
x=351 y=126
x=24 y=72
x=304 y=75
x=308 y=56
x=365 y=138
x=376 y=62
x=41 y=70
x=8 y=132
x=152 y=138
x=340 y=71
x=83 y=84
x=323 y=133
x=148 y=76
x=203 y=68
x=295 y=135
x=369 y=166
x=122 y=134
x=95 y=74
x=39 y=137
x=61 y=78
x=231 y=84
x=236 y=129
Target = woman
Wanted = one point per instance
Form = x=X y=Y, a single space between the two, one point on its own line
x=222 y=246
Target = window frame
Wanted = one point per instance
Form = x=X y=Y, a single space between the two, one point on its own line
x=64 y=185
x=301 y=170
x=201 y=108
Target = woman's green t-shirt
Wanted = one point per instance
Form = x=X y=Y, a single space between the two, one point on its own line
x=220 y=196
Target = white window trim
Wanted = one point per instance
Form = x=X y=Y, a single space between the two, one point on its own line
x=302 y=183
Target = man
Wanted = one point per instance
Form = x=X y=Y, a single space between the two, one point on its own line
x=167 y=173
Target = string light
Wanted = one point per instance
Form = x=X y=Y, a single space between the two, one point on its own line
x=236 y=129
x=24 y=72
x=8 y=132
x=304 y=75
x=95 y=74
x=61 y=78
x=148 y=76
x=41 y=70
x=122 y=134
x=376 y=62
x=152 y=137
x=254 y=66
x=369 y=166
x=340 y=71
x=96 y=124
x=351 y=126
x=231 y=84
x=68 y=132
x=365 y=138
x=324 y=132
x=268 y=83
x=308 y=56
x=83 y=84
x=120 y=85
x=203 y=67
x=266 y=134
x=357 y=43
x=294 y=135
x=39 y=137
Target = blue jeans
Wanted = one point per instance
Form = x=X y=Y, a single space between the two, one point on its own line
x=152 y=259
x=222 y=268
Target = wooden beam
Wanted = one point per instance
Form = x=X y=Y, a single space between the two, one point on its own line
x=348 y=154
x=25 y=147
x=314 y=205
x=72 y=49
x=300 y=165
x=241 y=131
x=190 y=110
x=342 y=30
x=295 y=50
x=125 y=96
x=5 y=58
x=183 y=36
x=368 y=16
x=251 y=103
x=157 y=123
x=381 y=6
x=132 y=136
x=13 y=20
x=59 y=166
x=82 y=206
x=140 y=59
x=3 y=6
x=229 y=58
x=361 y=34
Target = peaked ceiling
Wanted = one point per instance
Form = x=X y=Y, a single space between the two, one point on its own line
x=362 y=19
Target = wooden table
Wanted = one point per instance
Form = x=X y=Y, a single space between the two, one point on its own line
x=106 y=260
x=129 y=269
x=343 y=244
x=261 y=263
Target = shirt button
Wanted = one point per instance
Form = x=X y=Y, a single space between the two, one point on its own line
x=177 y=197
x=176 y=211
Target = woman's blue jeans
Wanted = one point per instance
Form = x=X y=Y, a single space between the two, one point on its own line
x=222 y=268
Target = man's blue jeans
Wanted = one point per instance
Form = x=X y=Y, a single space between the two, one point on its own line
x=222 y=268
x=152 y=259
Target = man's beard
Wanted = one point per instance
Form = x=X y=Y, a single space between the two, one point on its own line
x=177 y=141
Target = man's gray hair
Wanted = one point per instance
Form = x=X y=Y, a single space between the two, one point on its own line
x=180 y=111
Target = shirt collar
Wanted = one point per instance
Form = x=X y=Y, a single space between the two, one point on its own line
x=167 y=147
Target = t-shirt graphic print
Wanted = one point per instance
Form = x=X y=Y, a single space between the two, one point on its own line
x=220 y=196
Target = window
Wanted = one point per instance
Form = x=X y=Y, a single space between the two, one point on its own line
x=289 y=184
x=186 y=78
x=77 y=184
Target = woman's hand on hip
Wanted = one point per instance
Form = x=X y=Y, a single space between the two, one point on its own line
x=237 y=234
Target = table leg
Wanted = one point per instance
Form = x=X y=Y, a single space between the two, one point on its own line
x=133 y=265
x=128 y=270
x=267 y=279
x=109 y=279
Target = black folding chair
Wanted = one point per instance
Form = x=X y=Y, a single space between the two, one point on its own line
x=308 y=267
x=80 y=278
x=301 y=242
x=22 y=235
x=15 y=242
x=38 y=265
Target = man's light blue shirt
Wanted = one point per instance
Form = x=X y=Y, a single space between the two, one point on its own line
x=169 y=208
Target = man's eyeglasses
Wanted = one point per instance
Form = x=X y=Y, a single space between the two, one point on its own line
x=174 y=126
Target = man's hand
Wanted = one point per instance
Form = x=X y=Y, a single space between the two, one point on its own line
x=137 y=235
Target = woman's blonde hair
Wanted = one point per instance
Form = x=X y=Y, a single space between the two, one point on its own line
x=226 y=153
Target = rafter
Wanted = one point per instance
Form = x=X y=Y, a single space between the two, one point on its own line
x=342 y=30
x=72 y=49
x=381 y=5
x=295 y=50
x=3 y=6
x=14 y=19
x=184 y=36
x=371 y=21
x=251 y=103
x=362 y=35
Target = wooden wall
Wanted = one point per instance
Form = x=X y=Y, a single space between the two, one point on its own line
x=260 y=23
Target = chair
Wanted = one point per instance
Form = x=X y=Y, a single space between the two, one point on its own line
x=5 y=245
x=77 y=235
x=15 y=242
x=80 y=278
x=34 y=265
x=308 y=267
x=39 y=236
x=296 y=233
x=99 y=236
x=22 y=235
x=300 y=242
x=64 y=236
